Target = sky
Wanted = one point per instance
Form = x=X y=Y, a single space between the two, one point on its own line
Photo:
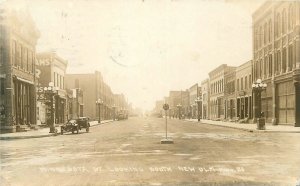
x=145 y=48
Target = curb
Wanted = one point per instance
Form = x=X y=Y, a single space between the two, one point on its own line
x=43 y=135
x=248 y=130
x=28 y=137
x=101 y=123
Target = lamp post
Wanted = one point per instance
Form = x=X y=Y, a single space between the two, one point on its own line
x=99 y=102
x=51 y=91
x=198 y=100
x=114 y=112
x=179 y=110
x=257 y=88
x=166 y=140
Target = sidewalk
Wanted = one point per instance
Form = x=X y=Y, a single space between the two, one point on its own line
x=40 y=133
x=250 y=127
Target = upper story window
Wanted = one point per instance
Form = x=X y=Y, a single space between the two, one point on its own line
x=270 y=31
x=265 y=33
x=291 y=17
x=260 y=36
x=278 y=25
x=284 y=21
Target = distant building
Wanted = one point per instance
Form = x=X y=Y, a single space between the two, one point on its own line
x=243 y=91
x=216 y=82
x=230 y=96
x=18 y=38
x=74 y=103
x=92 y=85
x=94 y=88
x=205 y=99
x=193 y=93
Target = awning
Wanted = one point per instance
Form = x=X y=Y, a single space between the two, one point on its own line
x=24 y=80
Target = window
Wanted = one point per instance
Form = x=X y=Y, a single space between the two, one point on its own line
x=284 y=21
x=246 y=85
x=26 y=59
x=290 y=62
x=18 y=54
x=32 y=62
x=278 y=25
x=266 y=66
x=242 y=84
x=279 y=61
x=2 y=86
x=260 y=36
x=250 y=81
x=270 y=31
x=291 y=17
x=237 y=84
x=29 y=61
x=22 y=56
x=284 y=60
x=256 y=39
x=13 y=52
x=270 y=65
x=265 y=33
x=54 y=78
x=1 y=55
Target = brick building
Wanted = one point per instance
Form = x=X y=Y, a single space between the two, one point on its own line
x=51 y=68
x=276 y=60
x=243 y=91
x=230 y=95
x=91 y=85
x=205 y=99
x=18 y=38
x=216 y=83
x=193 y=93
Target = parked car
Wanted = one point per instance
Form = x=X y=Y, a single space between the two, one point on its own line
x=70 y=126
x=83 y=122
x=122 y=116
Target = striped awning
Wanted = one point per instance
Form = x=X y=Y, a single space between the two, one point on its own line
x=24 y=80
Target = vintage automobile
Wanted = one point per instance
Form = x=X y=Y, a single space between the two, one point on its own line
x=83 y=122
x=70 y=126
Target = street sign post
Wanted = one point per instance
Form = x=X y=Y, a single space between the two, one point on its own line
x=166 y=141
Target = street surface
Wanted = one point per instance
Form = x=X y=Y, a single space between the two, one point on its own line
x=129 y=152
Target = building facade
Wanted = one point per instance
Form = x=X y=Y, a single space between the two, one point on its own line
x=18 y=40
x=74 y=103
x=91 y=85
x=276 y=60
x=51 y=69
x=193 y=91
x=174 y=100
x=216 y=82
x=230 y=95
x=205 y=99
x=94 y=88
x=244 y=91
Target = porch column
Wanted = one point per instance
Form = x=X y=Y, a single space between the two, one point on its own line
x=297 y=104
x=274 y=110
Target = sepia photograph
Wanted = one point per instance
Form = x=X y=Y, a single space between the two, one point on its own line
x=149 y=92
